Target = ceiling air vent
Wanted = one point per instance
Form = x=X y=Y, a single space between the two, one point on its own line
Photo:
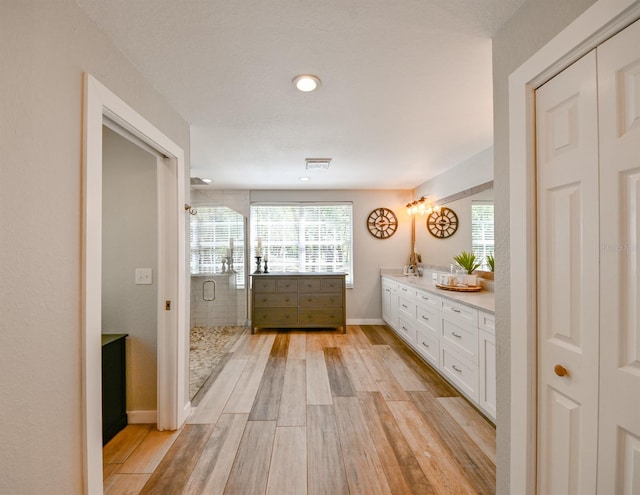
x=317 y=163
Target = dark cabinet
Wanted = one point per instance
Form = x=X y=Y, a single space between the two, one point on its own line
x=114 y=391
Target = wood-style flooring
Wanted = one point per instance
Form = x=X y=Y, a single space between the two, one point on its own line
x=314 y=413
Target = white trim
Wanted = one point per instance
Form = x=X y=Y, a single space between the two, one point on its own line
x=142 y=417
x=99 y=102
x=603 y=19
x=366 y=321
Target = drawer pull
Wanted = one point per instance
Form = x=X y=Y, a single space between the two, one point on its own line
x=425 y=344
x=264 y=300
x=457 y=336
x=456 y=369
x=309 y=300
x=425 y=318
x=455 y=310
x=286 y=299
x=405 y=329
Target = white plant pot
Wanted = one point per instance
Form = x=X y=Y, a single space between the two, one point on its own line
x=471 y=280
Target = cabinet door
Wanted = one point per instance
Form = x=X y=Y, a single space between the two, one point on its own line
x=487 y=368
x=567 y=168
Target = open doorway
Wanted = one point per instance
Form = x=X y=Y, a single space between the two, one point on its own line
x=172 y=367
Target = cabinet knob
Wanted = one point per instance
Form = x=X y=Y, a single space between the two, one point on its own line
x=560 y=370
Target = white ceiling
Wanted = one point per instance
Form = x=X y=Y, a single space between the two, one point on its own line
x=406 y=84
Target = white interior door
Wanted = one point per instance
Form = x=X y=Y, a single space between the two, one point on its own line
x=567 y=168
x=619 y=100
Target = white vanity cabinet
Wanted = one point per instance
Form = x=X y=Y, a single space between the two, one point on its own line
x=454 y=337
x=487 y=363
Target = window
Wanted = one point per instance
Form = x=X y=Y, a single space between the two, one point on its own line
x=482 y=238
x=212 y=229
x=307 y=237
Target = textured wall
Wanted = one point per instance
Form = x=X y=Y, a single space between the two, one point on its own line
x=535 y=23
x=44 y=48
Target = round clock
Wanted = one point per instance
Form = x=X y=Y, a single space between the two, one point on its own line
x=382 y=223
x=443 y=223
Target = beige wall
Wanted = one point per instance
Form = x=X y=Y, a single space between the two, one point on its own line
x=130 y=241
x=371 y=254
x=535 y=23
x=44 y=48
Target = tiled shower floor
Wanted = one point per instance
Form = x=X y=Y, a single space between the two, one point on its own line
x=207 y=346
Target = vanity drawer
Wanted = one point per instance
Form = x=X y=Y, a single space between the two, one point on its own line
x=463 y=374
x=309 y=285
x=462 y=338
x=269 y=317
x=487 y=322
x=320 y=316
x=332 y=284
x=276 y=299
x=407 y=307
x=428 y=319
x=427 y=299
x=428 y=347
x=287 y=285
x=406 y=331
x=319 y=300
x=407 y=292
x=264 y=284
x=459 y=311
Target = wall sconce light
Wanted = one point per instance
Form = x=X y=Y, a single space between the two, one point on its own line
x=421 y=206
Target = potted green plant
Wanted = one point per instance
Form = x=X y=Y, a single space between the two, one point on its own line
x=470 y=263
x=491 y=262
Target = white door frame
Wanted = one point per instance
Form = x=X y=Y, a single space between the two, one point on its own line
x=603 y=19
x=173 y=405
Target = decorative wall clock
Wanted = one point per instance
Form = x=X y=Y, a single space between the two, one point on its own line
x=443 y=223
x=382 y=223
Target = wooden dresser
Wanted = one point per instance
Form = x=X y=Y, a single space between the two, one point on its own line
x=298 y=300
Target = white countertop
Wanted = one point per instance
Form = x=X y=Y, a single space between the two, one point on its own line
x=483 y=300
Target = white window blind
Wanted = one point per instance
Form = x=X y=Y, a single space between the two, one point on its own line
x=305 y=237
x=482 y=236
x=211 y=230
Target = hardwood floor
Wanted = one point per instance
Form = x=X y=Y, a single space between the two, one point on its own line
x=314 y=413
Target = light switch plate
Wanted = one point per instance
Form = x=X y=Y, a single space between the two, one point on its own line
x=144 y=276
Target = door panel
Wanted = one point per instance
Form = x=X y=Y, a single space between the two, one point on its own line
x=619 y=111
x=567 y=168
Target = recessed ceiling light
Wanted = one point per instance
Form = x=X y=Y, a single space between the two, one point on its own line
x=208 y=181
x=306 y=83
x=304 y=179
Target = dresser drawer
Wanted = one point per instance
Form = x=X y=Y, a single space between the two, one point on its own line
x=277 y=299
x=264 y=284
x=462 y=373
x=427 y=299
x=287 y=285
x=269 y=317
x=332 y=284
x=407 y=331
x=407 y=307
x=461 y=338
x=428 y=346
x=320 y=300
x=429 y=320
x=309 y=285
x=459 y=311
x=321 y=316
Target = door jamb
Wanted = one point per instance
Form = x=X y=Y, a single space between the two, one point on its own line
x=99 y=102
x=598 y=23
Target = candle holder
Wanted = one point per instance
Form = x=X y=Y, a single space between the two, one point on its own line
x=224 y=266
x=266 y=267
x=230 y=264
x=258 y=264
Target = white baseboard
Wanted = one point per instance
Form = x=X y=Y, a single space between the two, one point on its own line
x=370 y=321
x=142 y=417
